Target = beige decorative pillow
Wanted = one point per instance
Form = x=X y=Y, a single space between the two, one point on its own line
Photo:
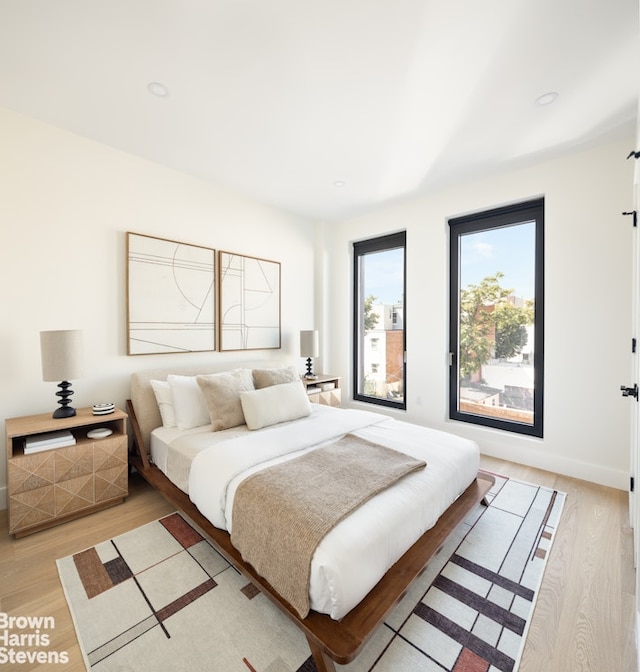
x=267 y=377
x=221 y=393
x=274 y=404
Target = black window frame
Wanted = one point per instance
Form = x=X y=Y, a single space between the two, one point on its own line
x=360 y=248
x=483 y=221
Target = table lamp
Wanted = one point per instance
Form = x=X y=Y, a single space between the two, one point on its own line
x=62 y=359
x=309 y=348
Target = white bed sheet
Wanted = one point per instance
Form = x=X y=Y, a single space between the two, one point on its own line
x=353 y=557
x=173 y=449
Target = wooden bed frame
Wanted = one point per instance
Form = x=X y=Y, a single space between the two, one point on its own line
x=330 y=641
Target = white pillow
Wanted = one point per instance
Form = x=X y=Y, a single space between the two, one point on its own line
x=274 y=404
x=165 y=403
x=221 y=393
x=188 y=403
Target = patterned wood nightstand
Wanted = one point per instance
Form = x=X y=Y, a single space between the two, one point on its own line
x=51 y=486
x=324 y=389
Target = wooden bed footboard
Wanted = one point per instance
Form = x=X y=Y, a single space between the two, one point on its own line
x=330 y=641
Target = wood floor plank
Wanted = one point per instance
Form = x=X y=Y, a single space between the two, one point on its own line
x=583 y=621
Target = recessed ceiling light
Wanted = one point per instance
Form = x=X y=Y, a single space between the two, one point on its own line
x=158 y=89
x=339 y=183
x=547 y=98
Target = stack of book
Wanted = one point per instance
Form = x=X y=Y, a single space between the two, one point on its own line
x=326 y=387
x=48 y=441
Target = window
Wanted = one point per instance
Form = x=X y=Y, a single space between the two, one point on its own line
x=497 y=318
x=379 y=320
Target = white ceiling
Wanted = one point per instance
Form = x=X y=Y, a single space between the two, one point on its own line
x=280 y=99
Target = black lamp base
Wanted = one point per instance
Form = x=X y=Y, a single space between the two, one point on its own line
x=310 y=375
x=65 y=411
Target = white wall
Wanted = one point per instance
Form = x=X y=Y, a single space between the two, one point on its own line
x=587 y=313
x=65 y=206
x=66 y=203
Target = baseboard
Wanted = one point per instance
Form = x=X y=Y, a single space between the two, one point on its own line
x=526 y=450
x=638 y=640
x=585 y=471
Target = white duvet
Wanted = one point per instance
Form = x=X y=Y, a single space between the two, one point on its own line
x=352 y=558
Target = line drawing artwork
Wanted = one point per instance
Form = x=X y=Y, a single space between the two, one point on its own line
x=170 y=296
x=249 y=302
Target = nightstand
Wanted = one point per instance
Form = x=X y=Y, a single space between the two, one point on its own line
x=54 y=485
x=324 y=389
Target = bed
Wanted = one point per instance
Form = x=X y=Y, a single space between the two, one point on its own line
x=364 y=564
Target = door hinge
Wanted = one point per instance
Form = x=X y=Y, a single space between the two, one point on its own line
x=632 y=484
x=451 y=359
x=630 y=391
x=634 y=343
x=635 y=216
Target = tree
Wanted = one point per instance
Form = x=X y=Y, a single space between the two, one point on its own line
x=490 y=324
x=370 y=317
x=511 y=333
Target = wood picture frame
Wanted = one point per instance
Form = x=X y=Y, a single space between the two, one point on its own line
x=171 y=297
x=249 y=302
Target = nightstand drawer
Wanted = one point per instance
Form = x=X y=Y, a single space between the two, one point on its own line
x=74 y=494
x=329 y=398
x=111 y=483
x=30 y=472
x=31 y=507
x=109 y=453
x=72 y=462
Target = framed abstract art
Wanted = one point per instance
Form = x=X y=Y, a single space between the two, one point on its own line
x=249 y=298
x=171 y=297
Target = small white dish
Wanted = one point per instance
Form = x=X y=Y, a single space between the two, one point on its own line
x=99 y=433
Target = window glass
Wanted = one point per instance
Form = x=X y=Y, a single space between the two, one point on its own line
x=379 y=320
x=496 y=322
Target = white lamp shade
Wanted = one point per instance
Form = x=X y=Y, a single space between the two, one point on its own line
x=309 y=344
x=62 y=354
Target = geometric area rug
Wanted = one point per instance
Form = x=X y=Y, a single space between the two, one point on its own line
x=160 y=598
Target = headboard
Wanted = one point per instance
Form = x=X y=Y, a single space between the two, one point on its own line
x=146 y=412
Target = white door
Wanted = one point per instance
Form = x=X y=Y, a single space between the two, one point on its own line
x=634 y=500
x=632 y=389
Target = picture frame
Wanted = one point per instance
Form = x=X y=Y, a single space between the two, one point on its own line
x=171 y=296
x=249 y=302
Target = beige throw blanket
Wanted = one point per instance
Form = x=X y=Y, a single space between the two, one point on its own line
x=281 y=513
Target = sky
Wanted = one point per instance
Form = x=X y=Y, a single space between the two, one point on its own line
x=383 y=275
x=510 y=250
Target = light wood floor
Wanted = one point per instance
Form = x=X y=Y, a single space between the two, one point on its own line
x=584 y=618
